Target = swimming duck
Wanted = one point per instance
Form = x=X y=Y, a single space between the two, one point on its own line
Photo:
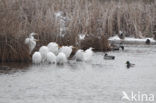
x=148 y=42
x=109 y=57
x=115 y=47
x=122 y=47
x=129 y=64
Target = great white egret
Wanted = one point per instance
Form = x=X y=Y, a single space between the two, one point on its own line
x=36 y=58
x=31 y=42
x=61 y=58
x=67 y=50
x=82 y=55
x=79 y=56
x=88 y=54
x=51 y=58
x=44 y=51
x=53 y=47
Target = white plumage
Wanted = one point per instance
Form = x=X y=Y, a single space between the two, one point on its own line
x=44 y=51
x=79 y=56
x=88 y=54
x=61 y=58
x=53 y=47
x=31 y=42
x=36 y=58
x=67 y=50
x=51 y=58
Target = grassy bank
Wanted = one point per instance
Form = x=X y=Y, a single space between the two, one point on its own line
x=98 y=19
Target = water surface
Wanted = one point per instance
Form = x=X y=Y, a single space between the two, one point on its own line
x=98 y=81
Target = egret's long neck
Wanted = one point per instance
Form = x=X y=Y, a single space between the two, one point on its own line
x=31 y=37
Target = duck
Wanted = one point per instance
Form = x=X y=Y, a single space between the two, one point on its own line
x=115 y=47
x=129 y=64
x=147 y=41
x=122 y=47
x=109 y=57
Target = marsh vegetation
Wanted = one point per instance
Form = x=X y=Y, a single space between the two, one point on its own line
x=96 y=19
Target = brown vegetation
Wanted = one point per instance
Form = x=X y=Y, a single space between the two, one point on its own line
x=18 y=18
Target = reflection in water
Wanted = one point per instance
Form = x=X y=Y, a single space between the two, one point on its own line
x=98 y=81
x=13 y=67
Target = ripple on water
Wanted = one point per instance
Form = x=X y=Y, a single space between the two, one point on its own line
x=99 y=81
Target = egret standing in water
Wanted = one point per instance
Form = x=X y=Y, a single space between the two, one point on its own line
x=53 y=47
x=61 y=58
x=84 y=55
x=88 y=54
x=51 y=58
x=44 y=51
x=31 y=42
x=36 y=58
x=67 y=50
x=79 y=56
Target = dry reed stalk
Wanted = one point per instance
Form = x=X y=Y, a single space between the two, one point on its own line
x=97 y=19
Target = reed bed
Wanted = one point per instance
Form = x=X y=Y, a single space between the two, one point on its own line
x=97 y=19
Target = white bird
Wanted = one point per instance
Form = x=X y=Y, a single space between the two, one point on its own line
x=88 y=54
x=51 y=58
x=81 y=36
x=31 y=42
x=44 y=51
x=79 y=56
x=36 y=58
x=53 y=47
x=67 y=50
x=61 y=58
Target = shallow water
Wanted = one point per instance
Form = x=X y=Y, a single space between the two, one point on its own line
x=98 y=81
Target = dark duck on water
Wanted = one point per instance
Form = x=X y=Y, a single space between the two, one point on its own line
x=148 y=42
x=109 y=57
x=129 y=64
x=115 y=47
